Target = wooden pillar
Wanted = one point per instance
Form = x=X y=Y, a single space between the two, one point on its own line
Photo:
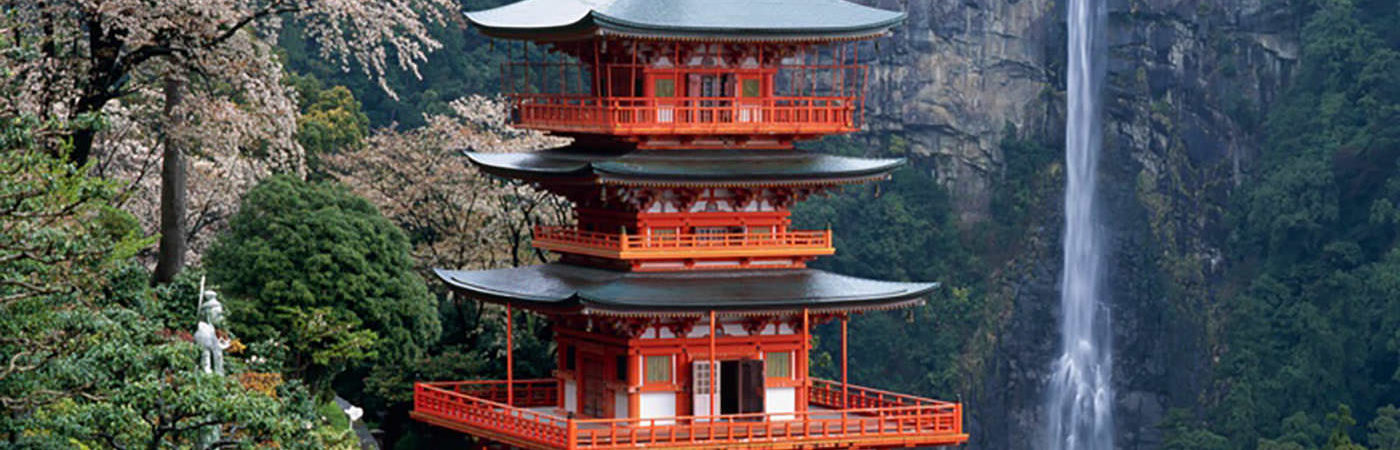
x=510 y=359
x=634 y=382
x=845 y=400
x=805 y=366
x=714 y=368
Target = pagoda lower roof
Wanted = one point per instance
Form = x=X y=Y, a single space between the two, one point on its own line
x=562 y=287
x=748 y=20
x=685 y=167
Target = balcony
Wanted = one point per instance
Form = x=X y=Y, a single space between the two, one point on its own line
x=837 y=416
x=799 y=116
x=685 y=245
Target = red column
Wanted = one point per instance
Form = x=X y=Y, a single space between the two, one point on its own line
x=845 y=400
x=714 y=370
x=510 y=359
x=805 y=366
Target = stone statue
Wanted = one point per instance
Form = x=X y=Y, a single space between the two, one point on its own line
x=211 y=314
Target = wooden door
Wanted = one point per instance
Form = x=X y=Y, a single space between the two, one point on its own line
x=701 y=386
x=741 y=386
x=661 y=89
x=594 y=388
x=750 y=97
x=751 y=389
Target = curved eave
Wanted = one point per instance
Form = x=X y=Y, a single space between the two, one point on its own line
x=639 y=170
x=517 y=166
x=573 y=32
x=575 y=19
x=616 y=25
x=680 y=168
x=558 y=287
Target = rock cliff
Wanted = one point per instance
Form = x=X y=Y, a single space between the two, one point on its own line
x=1187 y=81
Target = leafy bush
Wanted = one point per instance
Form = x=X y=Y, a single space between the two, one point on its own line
x=317 y=270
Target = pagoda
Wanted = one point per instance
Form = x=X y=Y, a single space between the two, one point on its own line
x=681 y=305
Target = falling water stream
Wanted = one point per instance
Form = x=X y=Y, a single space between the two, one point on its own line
x=1079 y=403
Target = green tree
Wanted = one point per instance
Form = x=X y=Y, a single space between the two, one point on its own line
x=91 y=358
x=1340 y=437
x=306 y=264
x=1385 y=429
x=331 y=120
x=1181 y=431
x=1316 y=318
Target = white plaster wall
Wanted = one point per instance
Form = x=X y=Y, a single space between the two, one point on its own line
x=657 y=404
x=620 y=405
x=780 y=400
x=570 y=396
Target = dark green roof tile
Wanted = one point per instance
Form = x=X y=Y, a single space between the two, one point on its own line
x=754 y=19
x=567 y=287
x=684 y=166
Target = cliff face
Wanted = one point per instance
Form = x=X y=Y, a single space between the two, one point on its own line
x=1186 y=85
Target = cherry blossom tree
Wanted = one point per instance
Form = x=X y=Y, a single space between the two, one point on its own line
x=456 y=216
x=207 y=63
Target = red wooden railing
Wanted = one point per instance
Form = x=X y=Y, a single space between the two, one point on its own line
x=827 y=393
x=528 y=393
x=648 y=115
x=897 y=420
x=555 y=238
x=455 y=404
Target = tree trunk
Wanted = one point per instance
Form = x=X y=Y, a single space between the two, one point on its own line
x=82 y=146
x=170 y=257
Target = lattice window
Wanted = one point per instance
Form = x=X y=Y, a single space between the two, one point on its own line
x=778 y=364
x=658 y=369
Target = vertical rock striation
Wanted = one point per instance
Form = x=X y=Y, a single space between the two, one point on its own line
x=1187 y=81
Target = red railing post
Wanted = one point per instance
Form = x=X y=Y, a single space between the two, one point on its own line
x=510 y=359
x=571 y=436
x=845 y=397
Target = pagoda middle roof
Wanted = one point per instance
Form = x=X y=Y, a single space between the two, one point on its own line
x=564 y=287
x=727 y=19
x=686 y=167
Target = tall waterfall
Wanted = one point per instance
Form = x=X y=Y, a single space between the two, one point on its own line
x=1079 y=404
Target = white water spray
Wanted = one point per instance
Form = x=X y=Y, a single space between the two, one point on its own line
x=1079 y=407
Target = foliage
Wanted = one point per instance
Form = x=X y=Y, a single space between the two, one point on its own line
x=331 y=120
x=86 y=366
x=467 y=64
x=304 y=264
x=1316 y=317
x=1385 y=429
x=422 y=182
x=917 y=240
x=1182 y=432
x=92 y=52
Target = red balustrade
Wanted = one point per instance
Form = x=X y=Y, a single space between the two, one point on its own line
x=456 y=405
x=876 y=418
x=686 y=116
x=684 y=245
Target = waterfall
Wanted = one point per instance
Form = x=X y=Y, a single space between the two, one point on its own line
x=1079 y=403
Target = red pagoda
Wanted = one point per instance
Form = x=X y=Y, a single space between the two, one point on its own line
x=681 y=305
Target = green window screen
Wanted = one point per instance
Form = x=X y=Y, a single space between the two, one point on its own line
x=750 y=88
x=659 y=369
x=665 y=87
x=778 y=364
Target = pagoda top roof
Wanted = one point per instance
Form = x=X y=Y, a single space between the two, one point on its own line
x=756 y=20
x=566 y=287
x=685 y=167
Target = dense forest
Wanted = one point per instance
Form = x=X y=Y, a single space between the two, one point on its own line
x=303 y=159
